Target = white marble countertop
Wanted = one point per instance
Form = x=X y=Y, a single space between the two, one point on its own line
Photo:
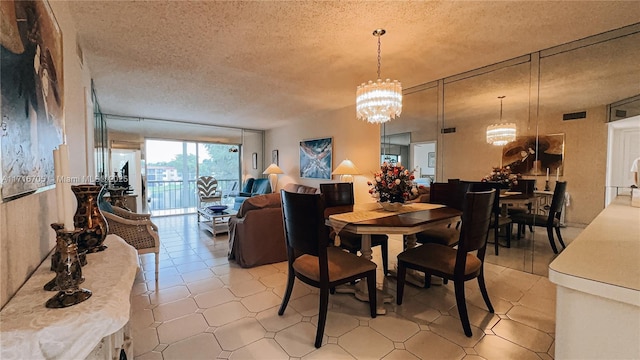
x=604 y=259
x=29 y=330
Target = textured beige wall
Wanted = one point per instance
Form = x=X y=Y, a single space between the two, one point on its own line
x=353 y=139
x=26 y=237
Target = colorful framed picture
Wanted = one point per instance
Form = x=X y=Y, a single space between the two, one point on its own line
x=316 y=158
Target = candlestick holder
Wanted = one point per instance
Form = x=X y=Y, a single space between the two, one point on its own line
x=55 y=258
x=68 y=273
x=546 y=186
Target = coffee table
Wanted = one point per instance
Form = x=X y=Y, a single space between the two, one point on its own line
x=216 y=222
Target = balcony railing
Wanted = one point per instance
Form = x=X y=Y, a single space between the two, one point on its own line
x=181 y=194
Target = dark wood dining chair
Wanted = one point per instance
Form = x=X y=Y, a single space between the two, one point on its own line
x=497 y=220
x=313 y=261
x=450 y=194
x=339 y=198
x=550 y=222
x=459 y=265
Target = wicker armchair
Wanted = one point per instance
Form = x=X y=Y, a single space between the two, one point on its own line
x=136 y=229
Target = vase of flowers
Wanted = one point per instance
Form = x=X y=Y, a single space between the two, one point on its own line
x=503 y=176
x=393 y=184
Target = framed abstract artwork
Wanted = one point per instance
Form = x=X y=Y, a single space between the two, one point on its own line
x=527 y=157
x=316 y=158
x=32 y=96
x=431 y=159
x=254 y=161
x=274 y=157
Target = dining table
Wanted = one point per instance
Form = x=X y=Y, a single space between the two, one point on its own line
x=367 y=219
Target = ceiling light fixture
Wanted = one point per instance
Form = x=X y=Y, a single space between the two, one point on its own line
x=500 y=134
x=379 y=101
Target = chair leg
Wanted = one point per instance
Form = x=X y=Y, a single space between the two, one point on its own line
x=373 y=296
x=519 y=231
x=560 y=238
x=495 y=240
x=427 y=280
x=551 y=241
x=402 y=272
x=287 y=294
x=462 y=307
x=384 y=248
x=509 y=229
x=483 y=290
x=157 y=253
x=322 y=315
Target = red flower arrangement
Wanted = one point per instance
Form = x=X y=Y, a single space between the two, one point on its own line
x=503 y=176
x=393 y=183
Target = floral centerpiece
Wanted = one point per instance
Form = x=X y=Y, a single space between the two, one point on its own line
x=393 y=183
x=503 y=176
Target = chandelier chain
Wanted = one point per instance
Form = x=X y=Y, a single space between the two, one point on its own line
x=379 y=57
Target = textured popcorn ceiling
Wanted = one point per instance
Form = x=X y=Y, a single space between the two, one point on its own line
x=263 y=64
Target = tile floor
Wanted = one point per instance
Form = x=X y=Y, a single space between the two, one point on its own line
x=205 y=307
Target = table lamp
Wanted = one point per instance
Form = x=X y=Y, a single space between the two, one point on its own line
x=273 y=170
x=346 y=170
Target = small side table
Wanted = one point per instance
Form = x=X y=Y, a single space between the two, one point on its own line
x=216 y=222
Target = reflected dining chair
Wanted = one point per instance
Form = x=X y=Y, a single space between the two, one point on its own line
x=339 y=198
x=550 y=222
x=459 y=265
x=313 y=261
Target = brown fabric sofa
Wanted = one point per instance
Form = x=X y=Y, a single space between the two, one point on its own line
x=256 y=234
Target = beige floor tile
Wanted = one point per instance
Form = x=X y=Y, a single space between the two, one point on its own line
x=235 y=277
x=202 y=286
x=139 y=302
x=306 y=305
x=201 y=346
x=474 y=297
x=191 y=266
x=394 y=327
x=495 y=347
x=181 y=328
x=175 y=309
x=145 y=340
x=273 y=322
x=400 y=355
x=261 y=301
x=214 y=297
x=337 y=324
x=441 y=298
x=366 y=343
x=138 y=288
x=545 y=356
x=536 y=302
x=417 y=312
x=530 y=338
x=151 y=355
x=227 y=268
x=535 y=319
x=229 y=335
x=450 y=328
x=274 y=280
x=261 y=349
x=298 y=340
x=503 y=290
x=163 y=296
x=141 y=318
x=197 y=275
x=521 y=280
x=165 y=282
x=329 y=351
x=473 y=357
x=259 y=272
x=246 y=288
x=428 y=345
x=478 y=316
x=225 y=313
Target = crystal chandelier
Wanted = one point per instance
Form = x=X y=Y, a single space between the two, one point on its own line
x=379 y=101
x=500 y=134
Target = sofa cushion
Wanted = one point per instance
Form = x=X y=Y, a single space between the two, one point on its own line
x=260 y=186
x=259 y=202
x=248 y=184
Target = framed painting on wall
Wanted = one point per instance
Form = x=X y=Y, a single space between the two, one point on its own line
x=431 y=159
x=254 y=161
x=32 y=96
x=316 y=158
x=524 y=157
x=274 y=157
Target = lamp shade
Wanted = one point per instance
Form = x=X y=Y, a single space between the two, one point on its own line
x=273 y=169
x=346 y=167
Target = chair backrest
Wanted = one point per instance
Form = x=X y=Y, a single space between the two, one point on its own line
x=476 y=218
x=525 y=186
x=304 y=228
x=337 y=194
x=555 y=210
x=207 y=186
x=450 y=194
x=248 y=185
x=261 y=186
x=481 y=186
